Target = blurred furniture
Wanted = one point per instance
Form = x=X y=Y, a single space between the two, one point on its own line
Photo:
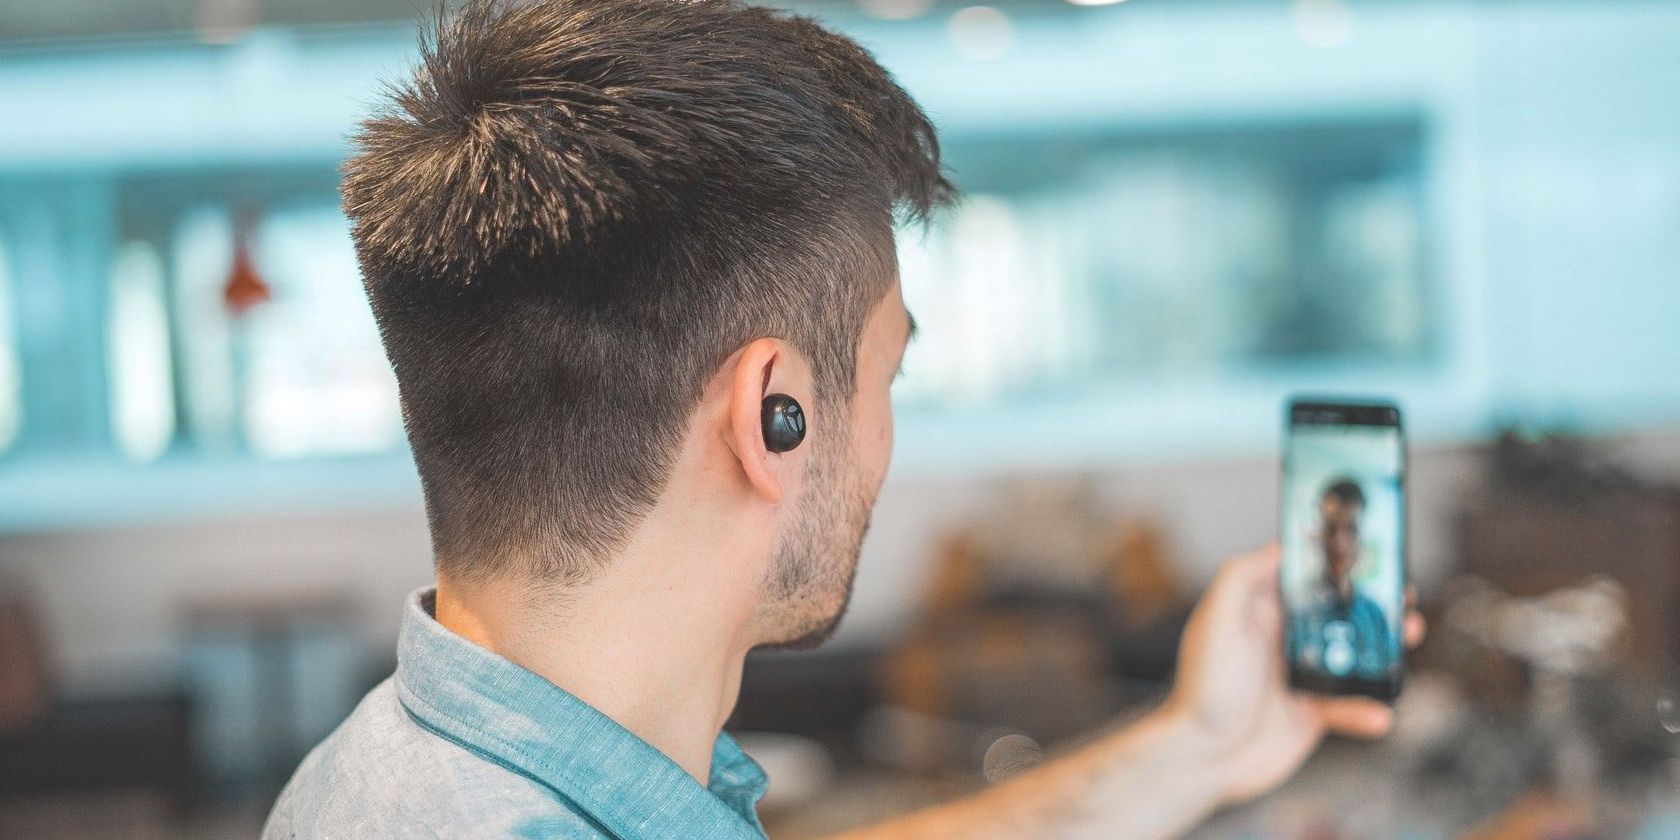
x=1553 y=516
x=1046 y=617
x=271 y=675
x=1560 y=633
x=822 y=693
x=51 y=744
x=102 y=745
x=24 y=689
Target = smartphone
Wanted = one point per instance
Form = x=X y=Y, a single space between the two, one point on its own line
x=1343 y=575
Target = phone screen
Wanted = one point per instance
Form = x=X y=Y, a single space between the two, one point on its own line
x=1343 y=576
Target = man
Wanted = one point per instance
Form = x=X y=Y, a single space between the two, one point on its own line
x=611 y=245
x=1340 y=630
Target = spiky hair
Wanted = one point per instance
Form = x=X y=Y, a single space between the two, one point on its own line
x=576 y=209
x=532 y=127
x=1345 y=490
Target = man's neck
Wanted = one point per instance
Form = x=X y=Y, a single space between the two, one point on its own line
x=659 y=655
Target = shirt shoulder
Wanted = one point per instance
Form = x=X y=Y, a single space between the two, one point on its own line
x=1367 y=608
x=1369 y=613
x=382 y=774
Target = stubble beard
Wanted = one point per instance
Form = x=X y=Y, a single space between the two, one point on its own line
x=810 y=581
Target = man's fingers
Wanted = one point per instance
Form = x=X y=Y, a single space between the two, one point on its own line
x=1356 y=717
x=1415 y=628
x=1258 y=566
x=1241 y=578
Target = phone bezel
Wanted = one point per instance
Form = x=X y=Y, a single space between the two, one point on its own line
x=1334 y=412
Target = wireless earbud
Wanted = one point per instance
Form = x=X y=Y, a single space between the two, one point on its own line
x=784 y=423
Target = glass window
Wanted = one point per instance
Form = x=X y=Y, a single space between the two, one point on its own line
x=1184 y=257
x=11 y=367
x=316 y=378
x=302 y=373
x=141 y=377
x=203 y=256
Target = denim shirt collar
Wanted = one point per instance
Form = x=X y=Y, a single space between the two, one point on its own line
x=509 y=715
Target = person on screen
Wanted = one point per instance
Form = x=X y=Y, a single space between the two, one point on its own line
x=1340 y=629
x=611 y=246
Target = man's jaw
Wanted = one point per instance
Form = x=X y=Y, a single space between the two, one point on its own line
x=823 y=630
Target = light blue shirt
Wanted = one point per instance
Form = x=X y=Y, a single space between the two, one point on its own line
x=461 y=743
x=1344 y=638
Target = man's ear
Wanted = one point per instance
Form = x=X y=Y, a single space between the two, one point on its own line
x=764 y=367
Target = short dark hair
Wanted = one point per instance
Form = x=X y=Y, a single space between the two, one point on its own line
x=1347 y=491
x=577 y=209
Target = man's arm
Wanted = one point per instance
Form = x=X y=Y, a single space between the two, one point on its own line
x=1154 y=778
x=1231 y=730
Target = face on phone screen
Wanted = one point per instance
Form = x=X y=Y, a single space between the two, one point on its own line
x=1343 y=576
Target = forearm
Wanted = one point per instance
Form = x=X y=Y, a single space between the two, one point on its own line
x=1155 y=778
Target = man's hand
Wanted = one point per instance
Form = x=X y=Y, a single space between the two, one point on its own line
x=1231 y=691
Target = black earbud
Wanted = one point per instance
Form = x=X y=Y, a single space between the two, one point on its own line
x=784 y=423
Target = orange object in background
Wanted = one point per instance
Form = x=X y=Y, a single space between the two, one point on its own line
x=245 y=287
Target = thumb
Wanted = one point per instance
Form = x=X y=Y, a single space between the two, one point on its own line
x=1355 y=717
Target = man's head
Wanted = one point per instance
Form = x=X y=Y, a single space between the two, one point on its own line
x=1339 y=509
x=581 y=215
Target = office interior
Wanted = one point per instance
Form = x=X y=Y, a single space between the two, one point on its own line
x=1176 y=215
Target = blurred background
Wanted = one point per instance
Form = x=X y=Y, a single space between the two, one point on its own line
x=1178 y=213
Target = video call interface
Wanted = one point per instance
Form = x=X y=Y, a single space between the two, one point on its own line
x=1342 y=530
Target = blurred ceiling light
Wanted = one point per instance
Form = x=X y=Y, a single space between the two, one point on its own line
x=895 y=9
x=1323 y=23
x=1095 y=2
x=225 y=21
x=981 y=33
